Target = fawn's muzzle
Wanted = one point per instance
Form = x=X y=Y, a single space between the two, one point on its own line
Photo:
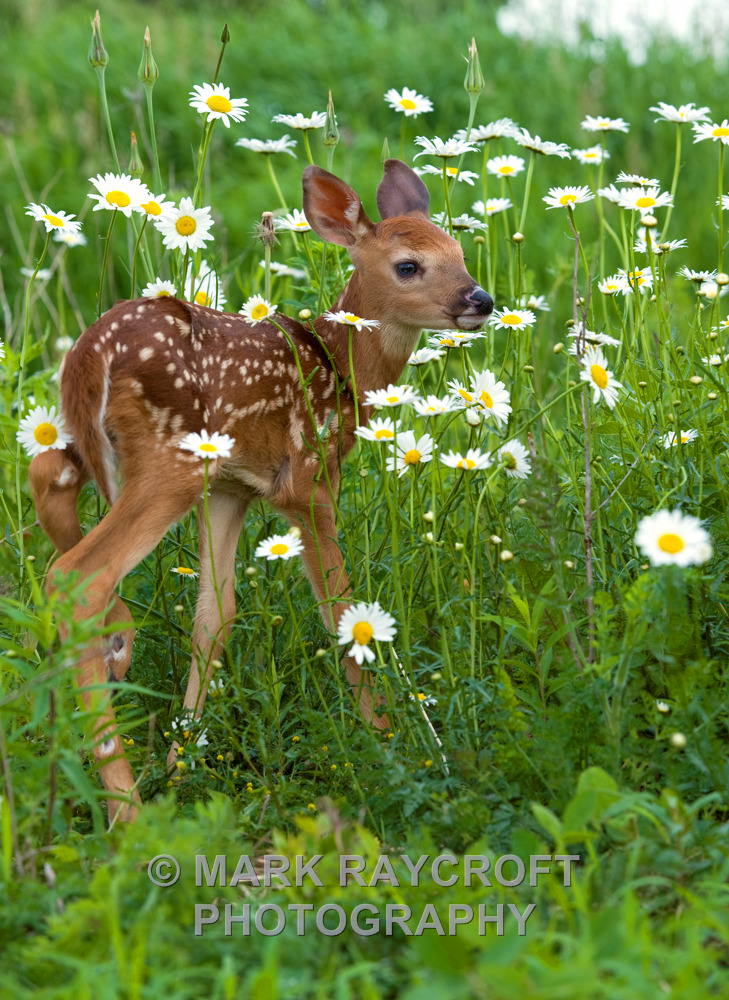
x=481 y=300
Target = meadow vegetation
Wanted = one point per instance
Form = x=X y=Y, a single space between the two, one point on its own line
x=558 y=675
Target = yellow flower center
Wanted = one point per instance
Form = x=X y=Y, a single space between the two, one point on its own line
x=185 y=571
x=512 y=319
x=45 y=434
x=186 y=225
x=202 y=298
x=351 y=318
x=207 y=446
x=670 y=543
x=162 y=292
x=684 y=438
x=591 y=156
x=720 y=132
x=383 y=433
x=302 y=225
x=599 y=376
x=119 y=198
x=508 y=459
x=54 y=220
x=279 y=549
x=447 y=342
x=412 y=457
x=506 y=169
x=260 y=311
x=393 y=399
x=216 y=102
x=645 y=202
x=152 y=208
x=452 y=171
x=568 y=199
x=362 y=632
x=466 y=463
x=486 y=399
x=408 y=104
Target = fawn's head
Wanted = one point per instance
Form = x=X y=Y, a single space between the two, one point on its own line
x=408 y=271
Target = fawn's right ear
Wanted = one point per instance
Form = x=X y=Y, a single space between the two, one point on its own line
x=333 y=209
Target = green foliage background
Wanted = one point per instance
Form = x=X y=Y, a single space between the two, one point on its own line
x=592 y=771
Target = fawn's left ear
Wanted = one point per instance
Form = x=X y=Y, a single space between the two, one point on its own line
x=401 y=192
x=333 y=209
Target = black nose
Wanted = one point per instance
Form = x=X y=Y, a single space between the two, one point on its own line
x=478 y=297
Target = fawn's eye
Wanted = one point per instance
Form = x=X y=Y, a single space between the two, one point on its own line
x=406 y=268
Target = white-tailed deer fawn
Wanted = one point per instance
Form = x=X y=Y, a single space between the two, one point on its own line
x=152 y=370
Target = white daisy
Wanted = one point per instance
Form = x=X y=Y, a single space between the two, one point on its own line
x=532 y=301
x=644 y=200
x=118 y=192
x=464 y=223
x=505 y=166
x=350 y=319
x=454 y=338
x=2 y=350
x=493 y=206
x=42 y=430
x=393 y=395
x=155 y=206
x=61 y=222
x=214 y=101
x=41 y=275
x=593 y=155
x=185 y=227
x=423 y=355
x=317 y=119
x=267 y=147
x=515 y=458
x=408 y=101
x=204 y=288
x=158 y=289
x=673 y=438
x=612 y=193
x=637 y=180
x=604 y=124
x=206 y=445
x=567 y=197
x=672 y=538
x=708 y=130
x=490 y=397
x=433 y=405
x=256 y=308
x=446 y=149
x=543 y=146
x=472 y=461
x=71 y=237
x=294 y=222
x=591 y=337
x=513 y=319
x=409 y=451
x=280 y=547
x=184 y=571
x=502 y=128
x=360 y=624
x=378 y=429
x=284 y=271
x=641 y=277
x=597 y=375
x=697 y=276
x=461 y=395
x=680 y=115
x=613 y=284
x=452 y=172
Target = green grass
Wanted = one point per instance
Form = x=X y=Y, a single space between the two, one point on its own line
x=580 y=696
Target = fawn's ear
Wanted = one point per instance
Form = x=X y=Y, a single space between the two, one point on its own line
x=401 y=192
x=333 y=209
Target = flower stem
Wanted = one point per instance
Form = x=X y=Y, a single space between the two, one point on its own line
x=104 y=262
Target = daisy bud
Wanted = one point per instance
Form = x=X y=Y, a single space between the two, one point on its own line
x=266 y=232
x=654 y=298
x=522 y=502
x=711 y=395
x=225 y=34
x=671 y=419
x=320 y=654
x=216 y=663
x=506 y=555
x=136 y=167
x=676 y=402
x=276 y=621
x=649 y=221
x=429 y=536
x=558 y=348
x=295 y=531
x=642 y=385
x=528 y=368
x=569 y=323
x=722 y=278
x=495 y=540
x=474 y=82
x=459 y=546
x=473 y=417
x=518 y=238
x=571 y=384
x=696 y=380
x=580 y=300
x=179 y=609
x=363 y=473
x=678 y=740
x=479 y=239
x=645 y=567
x=330 y=136
x=148 y=71
x=568 y=564
x=98 y=56
x=663 y=707
x=429 y=516
x=680 y=349
x=251 y=570
x=304 y=313
x=436 y=675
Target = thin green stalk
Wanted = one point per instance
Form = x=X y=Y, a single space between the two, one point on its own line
x=100 y=71
x=674 y=182
x=153 y=139
x=272 y=174
x=107 y=241
x=527 y=189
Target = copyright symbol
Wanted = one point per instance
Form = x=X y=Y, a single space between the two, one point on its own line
x=163 y=870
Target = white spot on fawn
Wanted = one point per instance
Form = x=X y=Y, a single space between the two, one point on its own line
x=146 y=353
